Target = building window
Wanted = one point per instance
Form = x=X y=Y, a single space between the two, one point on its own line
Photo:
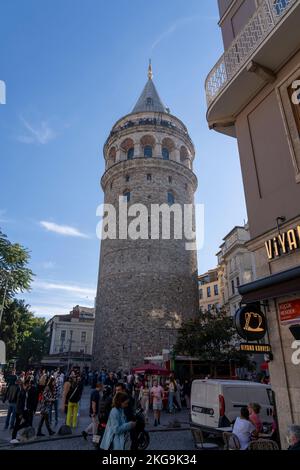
x=148 y=151
x=209 y=307
x=232 y=287
x=111 y=185
x=127 y=178
x=63 y=335
x=200 y=294
x=171 y=199
x=127 y=195
x=186 y=186
x=238 y=281
x=165 y=153
x=208 y=291
x=130 y=153
x=170 y=179
x=216 y=289
x=83 y=336
x=149 y=177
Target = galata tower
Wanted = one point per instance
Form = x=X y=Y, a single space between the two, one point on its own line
x=146 y=286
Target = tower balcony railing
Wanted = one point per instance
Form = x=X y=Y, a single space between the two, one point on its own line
x=264 y=20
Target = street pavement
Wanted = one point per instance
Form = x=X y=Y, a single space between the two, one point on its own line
x=172 y=434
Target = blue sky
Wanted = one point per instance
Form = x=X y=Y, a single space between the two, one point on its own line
x=71 y=69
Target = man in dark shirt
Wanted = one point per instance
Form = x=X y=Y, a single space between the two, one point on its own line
x=94 y=409
x=25 y=408
x=111 y=381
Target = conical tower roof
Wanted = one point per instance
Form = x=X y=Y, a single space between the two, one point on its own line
x=149 y=99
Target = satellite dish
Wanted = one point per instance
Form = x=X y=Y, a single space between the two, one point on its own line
x=2 y=352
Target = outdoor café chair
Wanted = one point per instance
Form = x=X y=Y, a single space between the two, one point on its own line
x=231 y=441
x=199 y=441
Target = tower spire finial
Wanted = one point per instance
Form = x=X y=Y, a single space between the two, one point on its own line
x=150 y=73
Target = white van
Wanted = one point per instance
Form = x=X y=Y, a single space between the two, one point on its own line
x=215 y=404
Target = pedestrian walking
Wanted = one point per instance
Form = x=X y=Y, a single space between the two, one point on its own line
x=25 y=409
x=48 y=397
x=11 y=395
x=145 y=399
x=73 y=397
x=156 y=396
x=94 y=410
x=116 y=435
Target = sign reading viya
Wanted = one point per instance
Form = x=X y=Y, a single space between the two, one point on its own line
x=283 y=243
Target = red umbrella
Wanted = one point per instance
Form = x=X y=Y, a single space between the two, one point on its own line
x=151 y=369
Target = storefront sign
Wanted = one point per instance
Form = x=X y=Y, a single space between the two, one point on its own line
x=283 y=243
x=255 y=348
x=250 y=322
x=290 y=310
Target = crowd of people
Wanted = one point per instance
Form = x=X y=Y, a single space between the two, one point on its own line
x=47 y=393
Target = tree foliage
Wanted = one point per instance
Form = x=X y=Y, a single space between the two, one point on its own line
x=210 y=336
x=15 y=276
x=24 y=334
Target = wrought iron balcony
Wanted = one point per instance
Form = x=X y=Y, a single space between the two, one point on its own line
x=266 y=17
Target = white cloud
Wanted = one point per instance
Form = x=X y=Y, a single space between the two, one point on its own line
x=78 y=291
x=36 y=134
x=177 y=24
x=65 y=230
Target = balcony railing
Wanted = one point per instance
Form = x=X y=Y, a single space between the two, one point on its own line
x=265 y=18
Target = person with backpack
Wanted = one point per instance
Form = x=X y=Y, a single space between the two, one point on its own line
x=11 y=395
x=73 y=397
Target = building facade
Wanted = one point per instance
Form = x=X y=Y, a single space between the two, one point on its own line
x=210 y=290
x=147 y=285
x=253 y=94
x=71 y=338
x=236 y=266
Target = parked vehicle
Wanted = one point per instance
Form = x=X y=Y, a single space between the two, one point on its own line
x=215 y=404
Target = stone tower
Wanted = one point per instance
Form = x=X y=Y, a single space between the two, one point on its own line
x=146 y=287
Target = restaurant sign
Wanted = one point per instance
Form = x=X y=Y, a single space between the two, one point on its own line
x=255 y=348
x=283 y=243
x=250 y=322
x=290 y=311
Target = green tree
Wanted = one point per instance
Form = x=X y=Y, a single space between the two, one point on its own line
x=15 y=276
x=210 y=336
x=24 y=334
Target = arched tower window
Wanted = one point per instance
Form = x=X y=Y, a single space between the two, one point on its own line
x=167 y=148
x=147 y=143
x=130 y=153
x=127 y=147
x=148 y=151
x=171 y=198
x=165 y=153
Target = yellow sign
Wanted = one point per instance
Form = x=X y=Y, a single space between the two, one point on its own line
x=283 y=243
x=255 y=348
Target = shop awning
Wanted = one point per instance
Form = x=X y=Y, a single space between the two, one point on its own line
x=276 y=285
x=151 y=369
